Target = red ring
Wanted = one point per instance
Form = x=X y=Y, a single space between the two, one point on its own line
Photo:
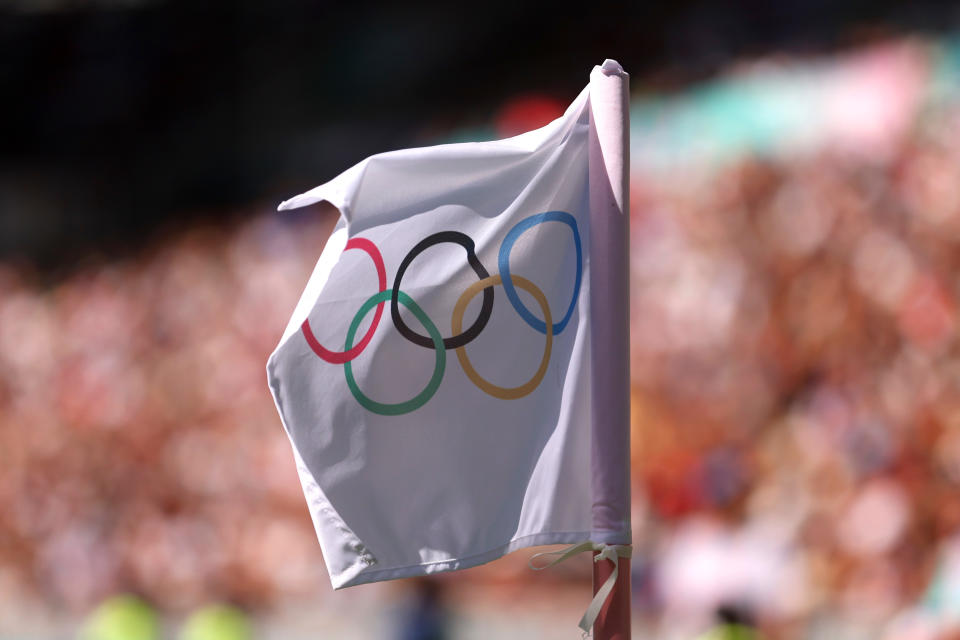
x=340 y=357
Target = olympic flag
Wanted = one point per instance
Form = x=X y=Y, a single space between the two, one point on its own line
x=413 y=461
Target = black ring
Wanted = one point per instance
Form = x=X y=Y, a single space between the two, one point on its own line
x=486 y=309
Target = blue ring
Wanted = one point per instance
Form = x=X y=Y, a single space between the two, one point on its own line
x=504 y=265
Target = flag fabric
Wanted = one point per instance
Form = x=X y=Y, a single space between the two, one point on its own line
x=434 y=378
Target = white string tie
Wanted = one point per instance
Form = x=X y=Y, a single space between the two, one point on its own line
x=611 y=552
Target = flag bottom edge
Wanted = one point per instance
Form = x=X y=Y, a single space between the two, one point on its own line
x=475 y=560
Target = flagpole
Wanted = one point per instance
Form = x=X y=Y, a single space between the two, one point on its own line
x=610 y=336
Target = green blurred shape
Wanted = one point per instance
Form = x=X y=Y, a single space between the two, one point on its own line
x=122 y=618
x=730 y=632
x=217 y=622
x=944 y=80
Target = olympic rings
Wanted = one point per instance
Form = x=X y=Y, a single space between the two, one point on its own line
x=505 y=393
x=340 y=357
x=460 y=339
x=504 y=265
x=421 y=398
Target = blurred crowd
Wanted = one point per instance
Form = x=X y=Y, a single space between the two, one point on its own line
x=796 y=396
x=139 y=447
x=796 y=405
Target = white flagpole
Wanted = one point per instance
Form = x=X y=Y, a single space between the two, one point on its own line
x=610 y=336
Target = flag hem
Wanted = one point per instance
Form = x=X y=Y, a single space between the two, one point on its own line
x=475 y=560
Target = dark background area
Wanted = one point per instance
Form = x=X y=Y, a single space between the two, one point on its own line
x=124 y=118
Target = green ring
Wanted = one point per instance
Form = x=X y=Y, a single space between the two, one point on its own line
x=421 y=398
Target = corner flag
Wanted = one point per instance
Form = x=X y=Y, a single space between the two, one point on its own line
x=435 y=379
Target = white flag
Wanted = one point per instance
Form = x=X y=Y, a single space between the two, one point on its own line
x=434 y=378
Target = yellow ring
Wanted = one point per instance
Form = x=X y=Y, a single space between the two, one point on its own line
x=505 y=393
